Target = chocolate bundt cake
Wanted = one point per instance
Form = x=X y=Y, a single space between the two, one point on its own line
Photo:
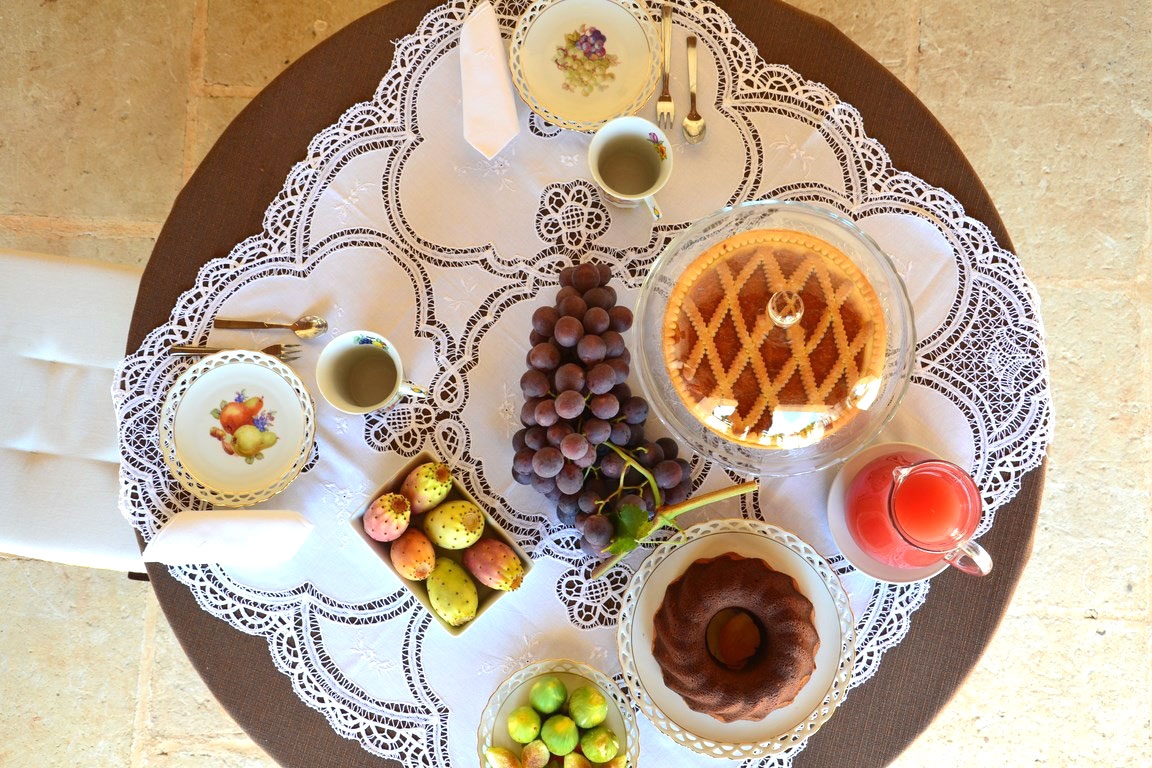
x=774 y=339
x=772 y=676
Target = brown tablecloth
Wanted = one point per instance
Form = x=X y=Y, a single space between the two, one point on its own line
x=224 y=202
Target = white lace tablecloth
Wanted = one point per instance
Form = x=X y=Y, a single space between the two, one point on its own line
x=393 y=223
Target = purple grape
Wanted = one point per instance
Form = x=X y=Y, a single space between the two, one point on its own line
x=523 y=478
x=535 y=338
x=566 y=509
x=573 y=306
x=598 y=531
x=522 y=461
x=637 y=500
x=596 y=320
x=569 y=404
x=604 y=406
x=566 y=276
x=597 y=430
x=601 y=378
x=528 y=412
x=591 y=349
x=605 y=273
x=585 y=277
x=574 y=446
x=667 y=474
x=621 y=434
x=548 y=462
x=621 y=368
x=622 y=392
x=543 y=485
x=603 y=296
x=634 y=410
x=587 y=501
x=621 y=318
x=518 y=439
x=544 y=320
x=544 y=356
x=536 y=437
x=611 y=465
x=534 y=383
x=564 y=293
x=588 y=459
x=614 y=342
x=670 y=447
x=637 y=437
x=649 y=455
x=570 y=479
x=545 y=413
x=557 y=432
x=568 y=332
x=679 y=493
x=569 y=376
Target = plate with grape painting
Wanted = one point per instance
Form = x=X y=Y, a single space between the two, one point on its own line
x=580 y=63
x=237 y=428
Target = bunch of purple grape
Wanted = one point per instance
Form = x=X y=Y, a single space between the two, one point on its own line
x=592 y=43
x=580 y=416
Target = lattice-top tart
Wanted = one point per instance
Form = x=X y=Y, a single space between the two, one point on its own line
x=774 y=338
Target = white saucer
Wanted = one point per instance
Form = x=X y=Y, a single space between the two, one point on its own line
x=630 y=40
x=195 y=440
x=839 y=526
x=833 y=619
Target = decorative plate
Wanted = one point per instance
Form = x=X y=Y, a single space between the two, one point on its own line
x=580 y=63
x=237 y=427
x=839 y=526
x=817 y=700
x=513 y=692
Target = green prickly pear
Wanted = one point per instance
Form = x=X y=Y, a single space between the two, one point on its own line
x=535 y=754
x=454 y=524
x=387 y=517
x=452 y=592
x=494 y=564
x=426 y=486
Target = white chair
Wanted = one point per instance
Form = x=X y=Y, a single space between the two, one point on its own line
x=64 y=329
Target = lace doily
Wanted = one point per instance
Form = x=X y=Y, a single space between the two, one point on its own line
x=392 y=223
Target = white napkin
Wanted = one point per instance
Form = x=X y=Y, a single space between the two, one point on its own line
x=229 y=537
x=489 y=106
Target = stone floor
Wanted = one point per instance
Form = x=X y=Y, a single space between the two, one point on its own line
x=106 y=108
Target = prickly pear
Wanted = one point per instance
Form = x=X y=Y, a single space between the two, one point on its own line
x=452 y=592
x=387 y=517
x=576 y=760
x=494 y=564
x=454 y=524
x=412 y=555
x=499 y=757
x=426 y=486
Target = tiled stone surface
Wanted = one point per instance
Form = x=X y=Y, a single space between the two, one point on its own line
x=1049 y=101
x=249 y=43
x=70 y=648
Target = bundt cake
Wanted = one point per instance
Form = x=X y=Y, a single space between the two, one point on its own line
x=774 y=339
x=770 y=677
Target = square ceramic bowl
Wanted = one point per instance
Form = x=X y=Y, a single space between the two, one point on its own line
x=486 y=596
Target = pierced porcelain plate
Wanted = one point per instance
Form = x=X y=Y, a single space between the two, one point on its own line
x=237 y=428
x=786 y=727
x=580 y=63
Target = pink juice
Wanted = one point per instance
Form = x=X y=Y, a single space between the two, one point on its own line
x=934 y=508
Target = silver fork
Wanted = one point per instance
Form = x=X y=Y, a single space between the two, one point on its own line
x=286 y=352
x=665 y=109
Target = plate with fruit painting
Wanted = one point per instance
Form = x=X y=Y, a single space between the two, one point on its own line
x=580 y=63
x=237 y=427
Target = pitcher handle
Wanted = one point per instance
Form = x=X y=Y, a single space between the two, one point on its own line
x=971 y=558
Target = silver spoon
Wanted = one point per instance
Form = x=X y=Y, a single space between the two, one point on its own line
x=306 y=327
x=693 y=123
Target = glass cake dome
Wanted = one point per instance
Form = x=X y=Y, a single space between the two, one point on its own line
x=774 y=337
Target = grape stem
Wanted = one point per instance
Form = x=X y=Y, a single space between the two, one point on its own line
x=666 y=516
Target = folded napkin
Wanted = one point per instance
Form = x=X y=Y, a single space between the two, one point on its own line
x=489 y=106
x=229 y=537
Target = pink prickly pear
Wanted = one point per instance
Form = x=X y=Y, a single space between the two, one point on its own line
x=413 y=555
x=387 y=517
x=426 y=486
x=494 y=564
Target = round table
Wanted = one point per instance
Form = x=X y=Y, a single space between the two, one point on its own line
x=224 y=202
